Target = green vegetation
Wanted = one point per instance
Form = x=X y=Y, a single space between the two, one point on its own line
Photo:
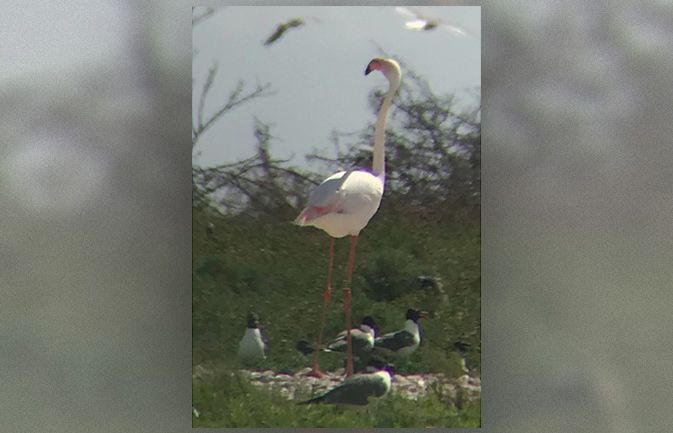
x=278 y=270
x=227 y=400
x=422 y=249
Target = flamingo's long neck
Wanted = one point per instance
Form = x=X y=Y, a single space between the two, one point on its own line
x=379 y=158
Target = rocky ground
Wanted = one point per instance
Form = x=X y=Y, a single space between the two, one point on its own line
x=413 y=386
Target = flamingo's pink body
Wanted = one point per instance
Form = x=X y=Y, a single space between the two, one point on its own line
x=343 y=204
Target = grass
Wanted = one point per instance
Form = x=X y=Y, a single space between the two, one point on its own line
x=278 y=270
x=227 y=399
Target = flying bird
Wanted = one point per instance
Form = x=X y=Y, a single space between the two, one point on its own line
x=420 y=22
x=282 y=28
x=405 y=341
x=343 y=204
x=253 y=346
x=357 y=389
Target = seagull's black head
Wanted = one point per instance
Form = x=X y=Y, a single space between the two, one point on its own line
x=414 y=315
x=461 y=346
x=253 y=321
x=305 y=347
x=369 y=321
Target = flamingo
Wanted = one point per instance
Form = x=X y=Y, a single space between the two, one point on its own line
x=343 y=204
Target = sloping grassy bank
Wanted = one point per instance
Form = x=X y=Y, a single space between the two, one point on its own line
x=278 y=270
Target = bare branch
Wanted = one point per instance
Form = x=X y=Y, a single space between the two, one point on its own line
x=235 y=99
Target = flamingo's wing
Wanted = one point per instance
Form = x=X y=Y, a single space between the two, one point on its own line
x=323 y=199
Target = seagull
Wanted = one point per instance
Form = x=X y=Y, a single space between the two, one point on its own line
x=357 y=389
x=405 y=341
x=282 y=28
x=461 y=348
x=362 y=339
x=252 y=347
x=421 y=22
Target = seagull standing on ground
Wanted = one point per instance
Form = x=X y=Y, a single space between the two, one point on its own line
x=252 y=347
x=357 y=389
x=405 y=341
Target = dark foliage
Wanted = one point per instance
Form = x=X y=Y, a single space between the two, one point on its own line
x=433 y=159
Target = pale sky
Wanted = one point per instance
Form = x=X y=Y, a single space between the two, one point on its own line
x=317 y=71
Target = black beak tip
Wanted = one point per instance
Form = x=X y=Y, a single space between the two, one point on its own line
x=368 y=70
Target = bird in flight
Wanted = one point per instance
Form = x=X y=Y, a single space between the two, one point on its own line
x=417 y=21
x=282 y=28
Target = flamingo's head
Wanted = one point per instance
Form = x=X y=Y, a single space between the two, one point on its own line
x=388 y=67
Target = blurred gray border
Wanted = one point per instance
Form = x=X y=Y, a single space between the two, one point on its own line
x=577 y=230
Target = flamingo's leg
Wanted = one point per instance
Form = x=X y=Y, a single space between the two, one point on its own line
x=315 y=371
x=347 y=306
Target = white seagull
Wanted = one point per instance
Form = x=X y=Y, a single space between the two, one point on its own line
x=343 y=204
x=405 y=341
x=362 y=338
x=252 y=347
x=357 y=389
x=417 y=21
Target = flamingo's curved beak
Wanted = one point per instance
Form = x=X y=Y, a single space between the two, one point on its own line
x=372 y=66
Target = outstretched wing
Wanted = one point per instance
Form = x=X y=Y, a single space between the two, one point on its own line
x=282 y=28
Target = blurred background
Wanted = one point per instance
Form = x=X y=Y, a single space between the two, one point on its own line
x=576 y=216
